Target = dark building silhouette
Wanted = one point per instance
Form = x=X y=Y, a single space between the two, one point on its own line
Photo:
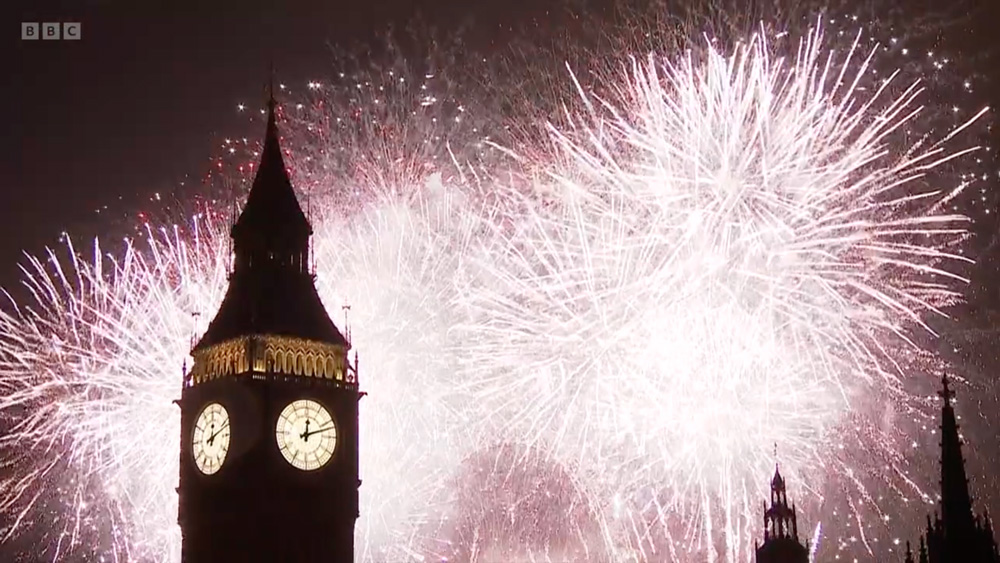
x=269 y=409
x=956 y=534
x=781 y=529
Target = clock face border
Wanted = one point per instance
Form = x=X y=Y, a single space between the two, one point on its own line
x=293 y=422
x=199 y=439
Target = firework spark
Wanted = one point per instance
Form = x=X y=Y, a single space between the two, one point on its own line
x=731 y=248
x=714 y=253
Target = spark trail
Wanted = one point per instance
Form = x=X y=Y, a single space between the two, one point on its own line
x=729 y=253
x=707 y=255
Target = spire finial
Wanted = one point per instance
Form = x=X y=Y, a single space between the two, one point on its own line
x=946 y=393
x=777 y=469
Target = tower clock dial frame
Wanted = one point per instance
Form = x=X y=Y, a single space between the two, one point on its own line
x=306 y=434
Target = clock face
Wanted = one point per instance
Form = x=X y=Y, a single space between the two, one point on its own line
x=306 y=435
x=210 y=442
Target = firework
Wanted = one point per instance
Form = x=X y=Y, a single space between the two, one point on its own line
x=89 y=373
x=729 y=253
x=709 y=254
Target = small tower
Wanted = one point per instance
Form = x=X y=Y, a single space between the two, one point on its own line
x=781 y=530
x=269 y=409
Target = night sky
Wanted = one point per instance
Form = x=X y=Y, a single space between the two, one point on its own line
x=137 y=105
x=140 y=104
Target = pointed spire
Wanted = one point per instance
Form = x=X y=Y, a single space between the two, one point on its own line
x=956 y=503
x=923 y=550
x=271 y=289
x=777 y=482
x=272 y=214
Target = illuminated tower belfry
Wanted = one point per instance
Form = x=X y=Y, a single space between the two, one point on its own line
x=269 y=409
x=781 y=528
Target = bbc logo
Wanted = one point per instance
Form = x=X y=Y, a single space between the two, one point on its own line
x=50 y=30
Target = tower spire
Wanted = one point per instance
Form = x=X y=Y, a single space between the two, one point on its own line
x=271 y=242
x=956 y=503
x=781 y=530
x=780 y=517
x=955 y=534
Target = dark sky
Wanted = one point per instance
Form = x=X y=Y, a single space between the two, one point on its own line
x=136 y=104
x=139 y=102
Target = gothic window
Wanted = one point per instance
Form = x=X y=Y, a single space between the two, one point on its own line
x=329 y=367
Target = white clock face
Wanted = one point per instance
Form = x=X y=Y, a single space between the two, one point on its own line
x=210 y=442
x=306 y=435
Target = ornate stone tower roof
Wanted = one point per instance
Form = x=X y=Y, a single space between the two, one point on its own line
x=781 y=528
x=271 y=290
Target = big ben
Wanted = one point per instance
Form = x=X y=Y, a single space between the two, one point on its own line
x=269 y=408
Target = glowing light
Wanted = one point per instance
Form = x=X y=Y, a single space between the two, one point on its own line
x=708 y=254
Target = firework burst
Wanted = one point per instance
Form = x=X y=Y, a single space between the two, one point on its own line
x=708 y=254
x=729 y=253
x=91 y=421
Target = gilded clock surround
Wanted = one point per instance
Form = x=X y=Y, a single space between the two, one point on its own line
x=261 y=356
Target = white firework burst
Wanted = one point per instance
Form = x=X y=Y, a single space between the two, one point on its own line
x=729 y=251
x=715 y=253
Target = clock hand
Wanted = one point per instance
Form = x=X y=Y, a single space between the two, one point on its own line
x=305 y=435
x=211 y=438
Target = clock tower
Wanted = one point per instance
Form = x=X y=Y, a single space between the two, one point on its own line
x=269 y=409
